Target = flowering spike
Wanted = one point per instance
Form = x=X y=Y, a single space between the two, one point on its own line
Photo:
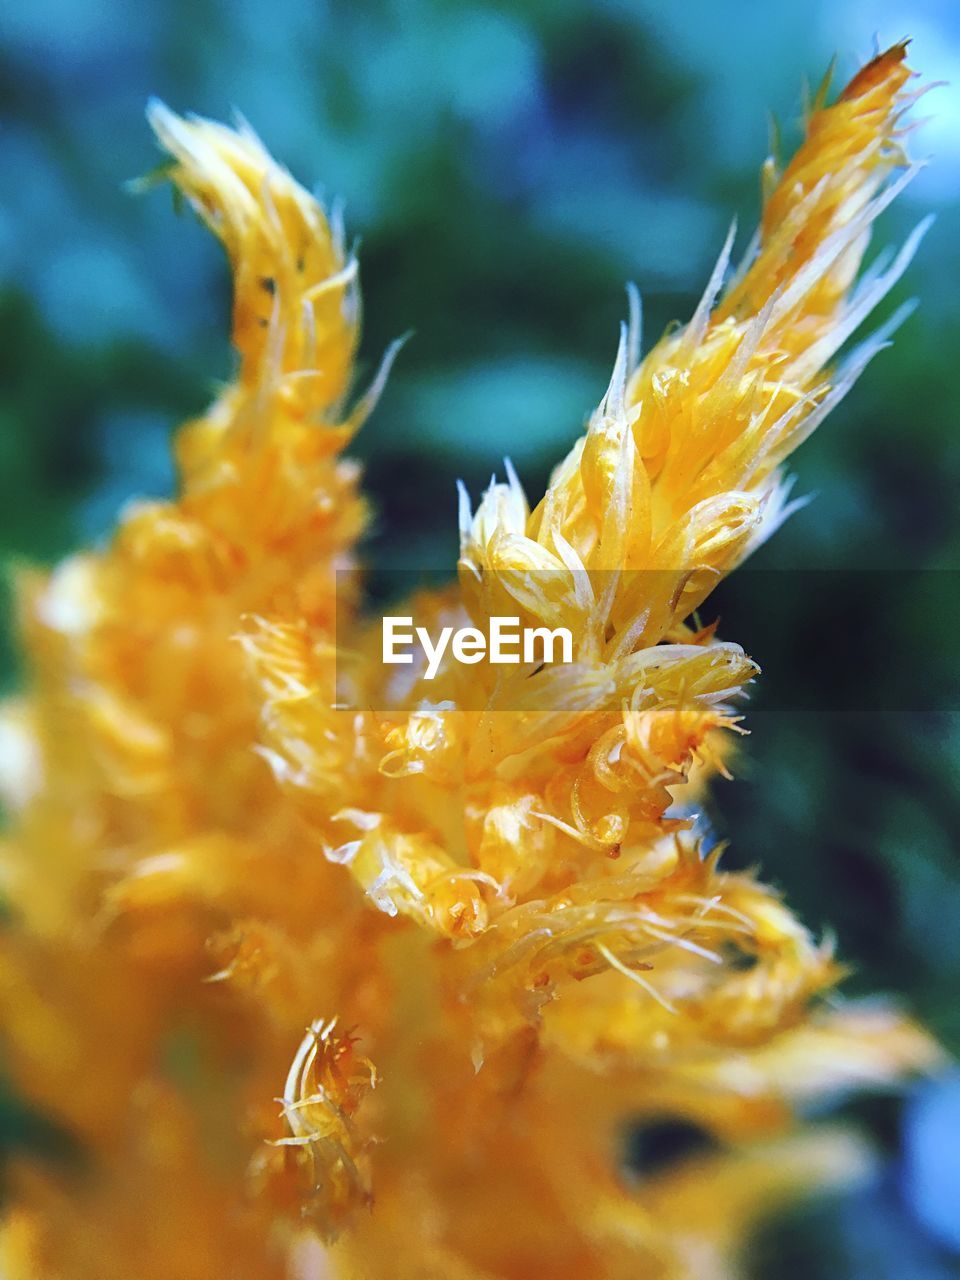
x=296 y=307
x=500 y=880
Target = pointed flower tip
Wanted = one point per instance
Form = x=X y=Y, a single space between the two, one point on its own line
x=464 y=509
x=883 y=67
x=513 y=480
x=164 y=122
x=161 y=121
x=371 y=397
x=156 y=107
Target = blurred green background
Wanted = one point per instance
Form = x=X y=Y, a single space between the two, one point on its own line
x=509 y=167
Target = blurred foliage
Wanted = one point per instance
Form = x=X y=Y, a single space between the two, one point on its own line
x=509 y=167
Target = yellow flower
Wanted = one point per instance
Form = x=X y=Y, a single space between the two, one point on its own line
x=227 y=872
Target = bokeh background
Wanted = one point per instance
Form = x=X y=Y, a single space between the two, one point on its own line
x=509 y=166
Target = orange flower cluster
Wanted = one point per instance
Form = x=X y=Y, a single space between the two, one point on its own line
x=331 y=992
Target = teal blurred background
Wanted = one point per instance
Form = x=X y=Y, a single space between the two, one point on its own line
x=509 y=167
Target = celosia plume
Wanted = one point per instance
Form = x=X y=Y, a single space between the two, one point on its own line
x=330 y=991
